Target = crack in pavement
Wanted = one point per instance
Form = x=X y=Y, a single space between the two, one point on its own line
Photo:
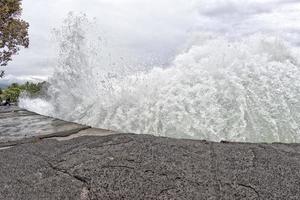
x=165 y=190
x=86 y=190
x=79 y=178
x=214 y=168
x=251 y=188
x=117 y=166
x=111 y=144
x=33 y=139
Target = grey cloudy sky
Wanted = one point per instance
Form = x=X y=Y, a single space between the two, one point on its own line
x=151 y=27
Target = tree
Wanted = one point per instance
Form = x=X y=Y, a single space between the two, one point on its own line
x=31 y=90
x=13 y=31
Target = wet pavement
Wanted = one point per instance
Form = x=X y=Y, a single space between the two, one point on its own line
x=19 y=126
x=49 y=159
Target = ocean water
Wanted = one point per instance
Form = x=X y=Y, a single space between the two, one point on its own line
x=216 y=88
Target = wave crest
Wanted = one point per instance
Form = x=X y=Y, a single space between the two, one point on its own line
x=246 y=90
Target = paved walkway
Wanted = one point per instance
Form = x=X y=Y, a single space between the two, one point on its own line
x=18 y=126
x=128 y=166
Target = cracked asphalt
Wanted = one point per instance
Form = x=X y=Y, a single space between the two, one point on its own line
x=128 y=166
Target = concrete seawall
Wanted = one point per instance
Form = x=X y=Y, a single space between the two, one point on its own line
x=46 y=158
x=19 y=126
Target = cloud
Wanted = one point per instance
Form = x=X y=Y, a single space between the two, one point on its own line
x=237 y=18
x=231 y=8
x=150 y=28
x=9 y=79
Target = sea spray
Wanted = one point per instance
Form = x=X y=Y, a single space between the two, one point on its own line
x=217 y=89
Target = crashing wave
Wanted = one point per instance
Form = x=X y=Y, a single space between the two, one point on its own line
x=244 y=90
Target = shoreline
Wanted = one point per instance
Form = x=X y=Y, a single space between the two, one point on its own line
x=100 y=164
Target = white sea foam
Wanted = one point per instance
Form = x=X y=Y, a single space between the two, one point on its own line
x=37 y=105
x=240 y=90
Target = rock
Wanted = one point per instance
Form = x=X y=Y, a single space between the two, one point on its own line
x=128 y=166
x=46 y=158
